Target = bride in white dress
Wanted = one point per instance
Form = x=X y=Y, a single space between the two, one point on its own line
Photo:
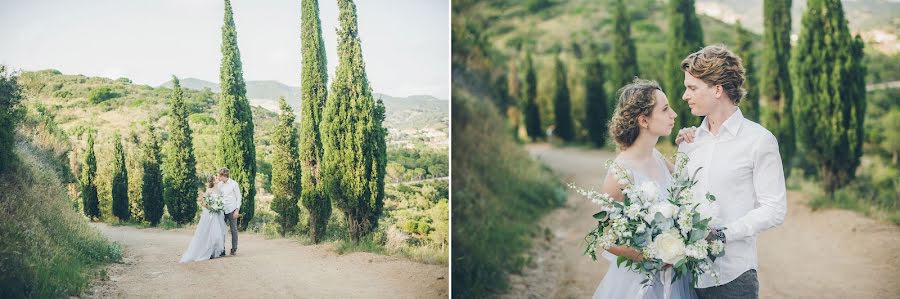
x=209 y=238
x=642 y=116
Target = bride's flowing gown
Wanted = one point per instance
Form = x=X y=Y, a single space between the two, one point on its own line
x=209 y=238
x=624 y=283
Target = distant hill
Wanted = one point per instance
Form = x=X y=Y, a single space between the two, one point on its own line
x=878 y=21
x=416 y=111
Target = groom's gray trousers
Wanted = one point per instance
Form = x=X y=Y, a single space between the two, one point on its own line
x=745 y=286
x=232 y=224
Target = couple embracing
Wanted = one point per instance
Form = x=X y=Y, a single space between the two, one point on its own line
x=738 y=162
x=221 y=204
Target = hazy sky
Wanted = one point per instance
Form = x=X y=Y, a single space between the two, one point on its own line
x=406 y=43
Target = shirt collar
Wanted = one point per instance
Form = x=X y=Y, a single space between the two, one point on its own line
x=731 y=125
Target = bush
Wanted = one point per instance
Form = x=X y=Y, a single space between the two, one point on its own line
x=101 y=94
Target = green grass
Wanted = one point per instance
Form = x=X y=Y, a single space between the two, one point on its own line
x=49 y=249
x=873 y=193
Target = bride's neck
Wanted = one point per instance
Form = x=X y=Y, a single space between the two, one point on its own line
x=642 y=148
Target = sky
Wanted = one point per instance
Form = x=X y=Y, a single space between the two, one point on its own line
x=406 y=43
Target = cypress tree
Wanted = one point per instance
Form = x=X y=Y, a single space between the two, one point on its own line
x=119 y=184
x=285 y=169
x=624 y=55
x=750 y=103
x=353 y=136
x=132 y=146
x=89 y=199
x=237 y=151
x=151 y=185
x=180 y=165
x=10 y=115
x=562 y=107
x=685 y=37
x=314 y=93
x=829 y=81
x=515 y=103
x=596 y=115
x=529 y=98
x=776 y=92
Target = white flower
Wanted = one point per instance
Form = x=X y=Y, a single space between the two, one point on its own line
x=670 y=247
x=641 y=228
x=665 y=208
x=606 y=241
x=633 y=211
x=686 y=196
x=623 y=182
x=685 y=222
x=697 y=250
x=716 y=247
x=649 y=191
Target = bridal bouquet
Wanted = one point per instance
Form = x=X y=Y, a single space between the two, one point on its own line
x=214 y=202
x=670 y=230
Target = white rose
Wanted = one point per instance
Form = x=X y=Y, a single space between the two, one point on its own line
x=649 y=191
x=670 y=247
x=666 y=208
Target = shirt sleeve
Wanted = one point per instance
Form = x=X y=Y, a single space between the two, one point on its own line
x=771 y=195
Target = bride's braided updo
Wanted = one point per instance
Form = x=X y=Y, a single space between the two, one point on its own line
x=635 y=99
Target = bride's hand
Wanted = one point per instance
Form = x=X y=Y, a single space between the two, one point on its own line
x=686 y=134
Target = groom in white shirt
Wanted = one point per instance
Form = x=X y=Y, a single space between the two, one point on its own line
x=231 y=198
x=739 y=163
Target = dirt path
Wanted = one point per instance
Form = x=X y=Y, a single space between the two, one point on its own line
x=263 y=268
x=823 y=254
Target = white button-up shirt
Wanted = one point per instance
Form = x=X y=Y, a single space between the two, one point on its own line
x=231 y=196
x=741 y=167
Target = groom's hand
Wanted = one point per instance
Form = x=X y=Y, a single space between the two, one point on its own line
x=686 y=134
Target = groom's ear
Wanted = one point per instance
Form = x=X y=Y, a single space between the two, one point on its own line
x=720 y=91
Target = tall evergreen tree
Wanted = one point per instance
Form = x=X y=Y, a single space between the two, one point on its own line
x=596 y=115
x=776 y=92
x=829 y=84
x=89 y=199
x=685 y=37
x=562 y=105
x=314 y=93
x=151 y=185
x=119 y=184
x=750 y=103
x=624 y=54
x=237 y=152
x=353 y=135
x=529 y=98
x=180 y=165
x=285 y=169
x=513 y=90
x=10 y=115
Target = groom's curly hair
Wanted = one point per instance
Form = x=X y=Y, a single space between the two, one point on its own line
x=635 y=99
x=716 y=65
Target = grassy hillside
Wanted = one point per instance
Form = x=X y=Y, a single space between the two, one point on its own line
x=48 y=248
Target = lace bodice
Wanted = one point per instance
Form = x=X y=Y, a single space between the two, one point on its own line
x=657 y=172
